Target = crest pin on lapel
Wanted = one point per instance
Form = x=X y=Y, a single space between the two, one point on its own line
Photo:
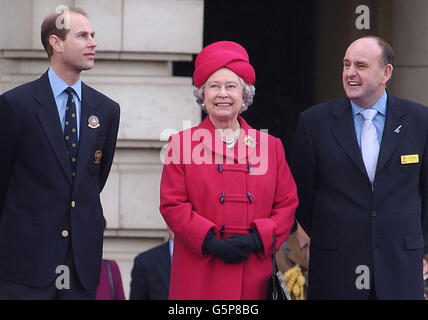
x=398 y=129
x=93 y=122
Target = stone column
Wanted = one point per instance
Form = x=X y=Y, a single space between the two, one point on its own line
x=409 y=25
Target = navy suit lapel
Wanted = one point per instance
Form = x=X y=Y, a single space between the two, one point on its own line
x=49 y=119
x=87 y=136
x=344 y=131
x=164 y=262
x=395 y=127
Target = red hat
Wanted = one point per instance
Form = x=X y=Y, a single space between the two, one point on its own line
x=223 y=54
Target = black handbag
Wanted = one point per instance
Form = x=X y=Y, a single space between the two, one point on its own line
x=277 y=288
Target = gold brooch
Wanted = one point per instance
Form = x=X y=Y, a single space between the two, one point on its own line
x=250 y=141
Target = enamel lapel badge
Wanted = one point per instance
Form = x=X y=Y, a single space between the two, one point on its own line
x=93 y=122
x=97 y=156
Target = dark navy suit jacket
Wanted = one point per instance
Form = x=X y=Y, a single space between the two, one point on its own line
x=349 y=224
x=38 y=200
x=150 y=274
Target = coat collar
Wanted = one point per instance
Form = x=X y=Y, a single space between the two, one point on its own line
x=49 y=119
x=87 y=135
x=344 y=131
x=395 y=128
x=246 y=146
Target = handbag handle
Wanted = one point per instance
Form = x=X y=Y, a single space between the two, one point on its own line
x=281 y=281
x=274 y=255
x=274 y=265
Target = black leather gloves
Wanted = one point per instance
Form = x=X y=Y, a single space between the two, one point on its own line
x=233 y=249
x=222 y=249
x=248 y=243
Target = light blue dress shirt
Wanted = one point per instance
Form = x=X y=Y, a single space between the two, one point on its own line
x=58 y=86
x=171 y=247
x=378 y=120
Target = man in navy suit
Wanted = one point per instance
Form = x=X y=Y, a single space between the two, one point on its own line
x=364 y=204
x=151 y=272
x=57 y=141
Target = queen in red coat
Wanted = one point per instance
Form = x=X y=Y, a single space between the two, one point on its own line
x=226 y=188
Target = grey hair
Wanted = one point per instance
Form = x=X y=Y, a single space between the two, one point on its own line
x=248 y=93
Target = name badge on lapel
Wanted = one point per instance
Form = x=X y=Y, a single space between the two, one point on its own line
x=93 y=122
x=410 y=158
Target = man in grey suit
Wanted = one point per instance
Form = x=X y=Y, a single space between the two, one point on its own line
x=361 y=167
x=57 y=142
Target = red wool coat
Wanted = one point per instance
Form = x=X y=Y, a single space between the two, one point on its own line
x=206 y=186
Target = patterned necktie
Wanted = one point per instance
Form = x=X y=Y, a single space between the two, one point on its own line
x=70 y=130
x=369 y=143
